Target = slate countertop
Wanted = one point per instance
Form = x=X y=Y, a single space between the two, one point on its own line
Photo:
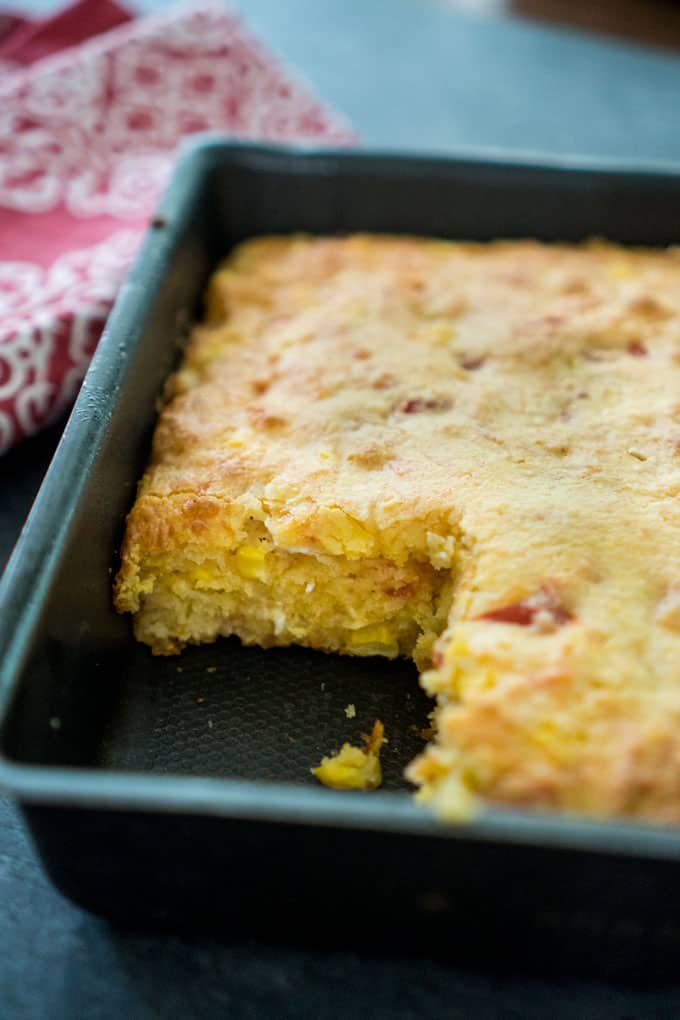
x=409 y=74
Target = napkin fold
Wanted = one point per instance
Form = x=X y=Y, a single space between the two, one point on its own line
x=23 y=41
x=92 y=108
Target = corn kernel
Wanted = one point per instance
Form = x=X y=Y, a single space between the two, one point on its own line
x=442 y=332
x=481 y=679
x=341 y=534
x=375 y=639
x=202 y=574
x=556 y=743
x=458 y=647
x=250 y=560
x=234 y=438
x=619 y=270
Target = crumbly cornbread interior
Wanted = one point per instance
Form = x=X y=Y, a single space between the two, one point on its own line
x=464 y=453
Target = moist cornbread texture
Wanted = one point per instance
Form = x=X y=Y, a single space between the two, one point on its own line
x=464 y=453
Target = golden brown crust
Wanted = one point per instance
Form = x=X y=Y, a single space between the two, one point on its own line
x=376 y=442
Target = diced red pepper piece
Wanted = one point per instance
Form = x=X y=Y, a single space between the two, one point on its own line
x=418 y=404
x=524 y=613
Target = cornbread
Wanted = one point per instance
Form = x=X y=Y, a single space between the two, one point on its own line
x=464 y=453
x=354 y=768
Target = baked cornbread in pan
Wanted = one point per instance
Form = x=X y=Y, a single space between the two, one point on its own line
x=465 y=453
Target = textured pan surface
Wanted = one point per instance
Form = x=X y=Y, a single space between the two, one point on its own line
x=225 y=710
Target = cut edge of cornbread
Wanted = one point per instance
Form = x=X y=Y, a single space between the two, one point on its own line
x=244 y=583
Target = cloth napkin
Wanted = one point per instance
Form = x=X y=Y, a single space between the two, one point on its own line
x=92 y=106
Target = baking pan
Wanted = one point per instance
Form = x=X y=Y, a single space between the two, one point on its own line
x=177 y=791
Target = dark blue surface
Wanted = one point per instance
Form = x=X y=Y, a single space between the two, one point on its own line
x=60 y=964
x=410 y=75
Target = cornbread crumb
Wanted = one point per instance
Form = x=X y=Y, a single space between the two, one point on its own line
x=350 y=711
x=354 y=768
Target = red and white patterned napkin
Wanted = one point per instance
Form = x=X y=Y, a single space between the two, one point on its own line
x=87 y=136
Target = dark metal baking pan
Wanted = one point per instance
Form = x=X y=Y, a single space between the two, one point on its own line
x=178 y=790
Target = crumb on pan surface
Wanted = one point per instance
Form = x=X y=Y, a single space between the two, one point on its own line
x=354 y=768
x=468 y=454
